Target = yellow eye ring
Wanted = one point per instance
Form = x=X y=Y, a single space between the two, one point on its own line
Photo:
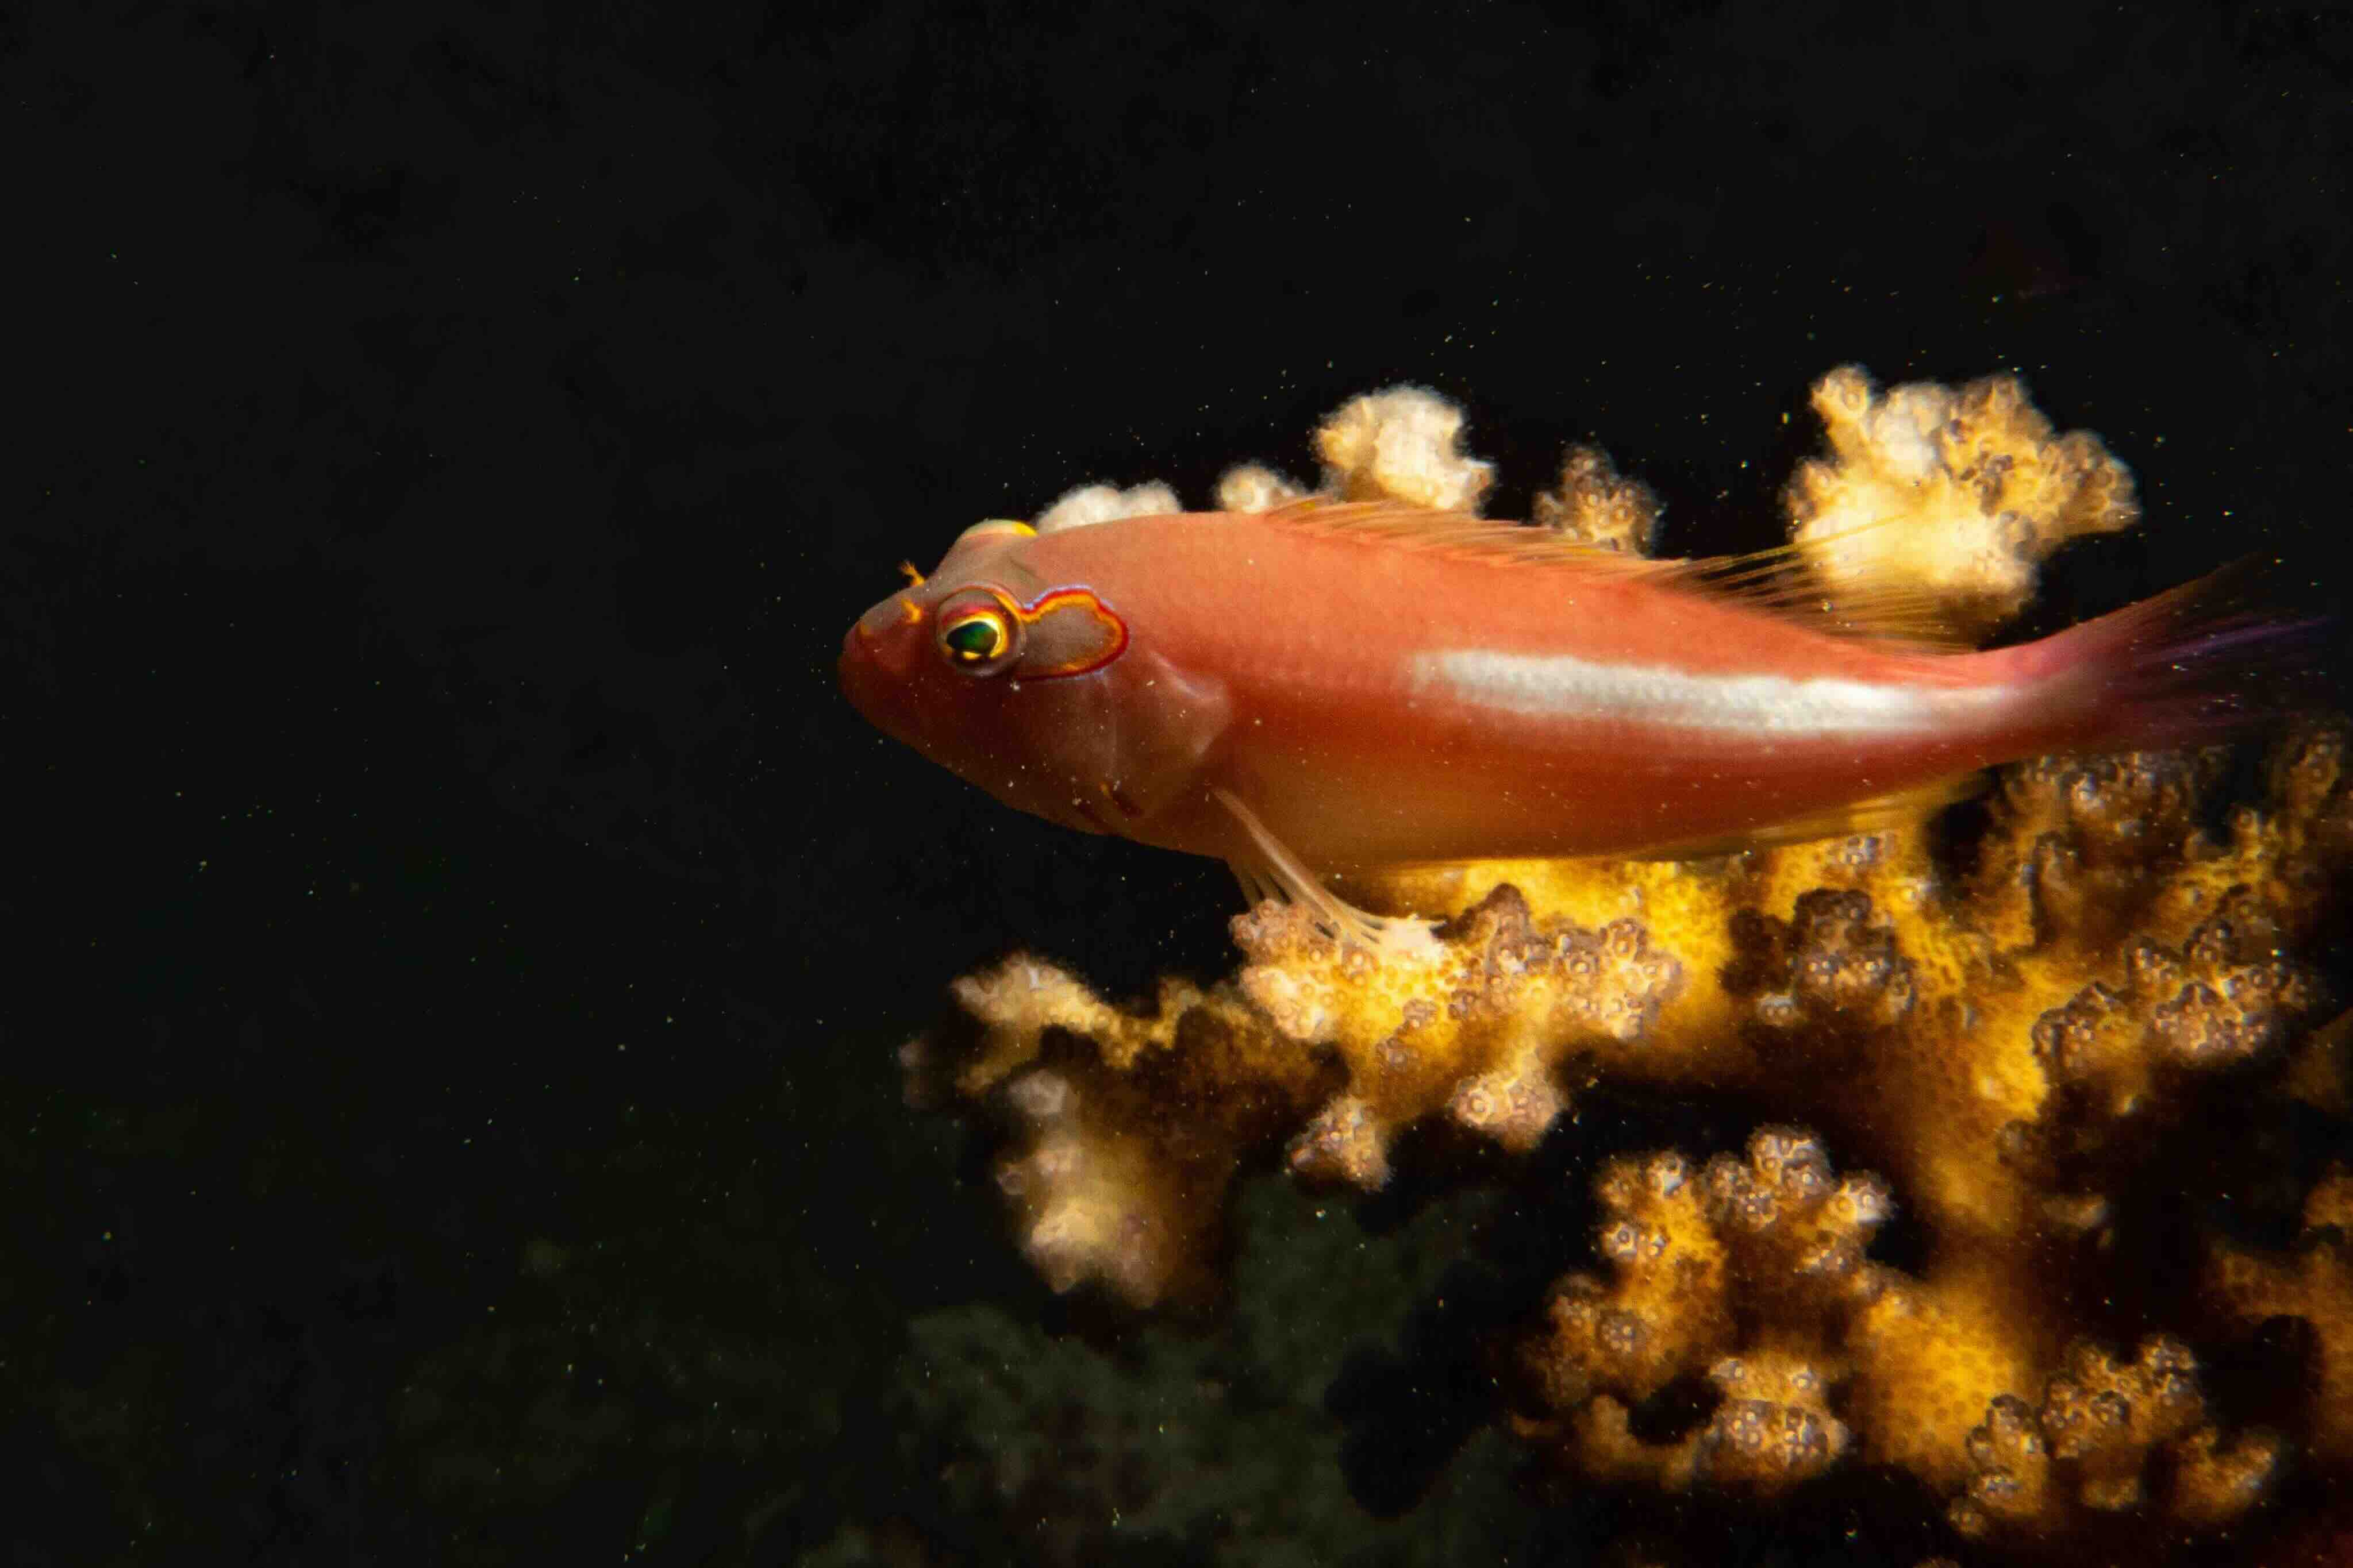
x=978 y=639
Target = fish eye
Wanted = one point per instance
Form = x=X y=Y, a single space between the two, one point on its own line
x=975 y=639
x=978 y=635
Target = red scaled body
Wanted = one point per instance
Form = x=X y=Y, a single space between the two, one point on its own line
x=1370 y=686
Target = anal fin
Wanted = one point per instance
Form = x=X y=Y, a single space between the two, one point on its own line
x=1875 y=814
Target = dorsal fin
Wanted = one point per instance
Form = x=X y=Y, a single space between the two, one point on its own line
x=1783 y=581
x=1779 y=580
x=1406 y=526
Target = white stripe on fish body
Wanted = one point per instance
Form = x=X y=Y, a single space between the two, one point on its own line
x=1556 y=685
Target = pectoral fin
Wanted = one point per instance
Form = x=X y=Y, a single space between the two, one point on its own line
x=1272 y=869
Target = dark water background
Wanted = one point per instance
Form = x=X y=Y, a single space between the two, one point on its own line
x=457 y=939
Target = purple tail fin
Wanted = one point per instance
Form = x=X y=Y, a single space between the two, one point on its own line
x=2194 y=664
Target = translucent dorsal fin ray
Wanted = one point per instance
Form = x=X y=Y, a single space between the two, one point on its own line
x=1406 y=526
x=1779 y=580
x=1785 y=581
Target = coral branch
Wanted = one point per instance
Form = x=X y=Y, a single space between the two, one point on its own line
x=1742 y=1273
x=2314 y=1284
x=1985 y=490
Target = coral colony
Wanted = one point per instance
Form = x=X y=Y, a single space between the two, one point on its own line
x=1997 y=1048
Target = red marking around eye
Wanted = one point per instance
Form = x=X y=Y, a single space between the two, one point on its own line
x=1061 y=598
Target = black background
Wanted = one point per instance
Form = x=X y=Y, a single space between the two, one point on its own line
x=457 y=937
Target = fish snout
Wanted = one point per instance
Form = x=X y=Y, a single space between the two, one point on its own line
x=879 y=637
x=875 y=667
x=856 y=669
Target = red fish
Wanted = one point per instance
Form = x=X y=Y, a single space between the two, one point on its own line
x=1335 y=687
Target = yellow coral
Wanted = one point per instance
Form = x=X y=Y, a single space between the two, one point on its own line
x=1984 y=491
x=1960 y=1036
x=1475 y=1028
x=1744 y=1271
x=1103 y=503
x=1996 y=1041
x=1774 y=1428
x=1663 y=1313
x=1596 y=505
x=1403 y=444
x=1933 y=1354
x=2315 y=1284
x=2089 y=1449
x=1102 y=1185
x=1255 y=488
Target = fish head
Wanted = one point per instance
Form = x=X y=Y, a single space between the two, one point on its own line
x=997 y=671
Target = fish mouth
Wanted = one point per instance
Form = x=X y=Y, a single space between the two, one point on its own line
x=1063 y=812
x=873 y=675
x=860 y=674
x=873 y=636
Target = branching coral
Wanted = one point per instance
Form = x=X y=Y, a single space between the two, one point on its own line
x=1102 y=504
x=2037 y=1474
x=1599 y=505
x=2000 y=1048
x=1738 y=1271
x=2315 y=1285
x=1983 y=491
x=1104 y=1185
x=1402 y=444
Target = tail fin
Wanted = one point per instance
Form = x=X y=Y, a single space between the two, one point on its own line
x=2192 y=665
